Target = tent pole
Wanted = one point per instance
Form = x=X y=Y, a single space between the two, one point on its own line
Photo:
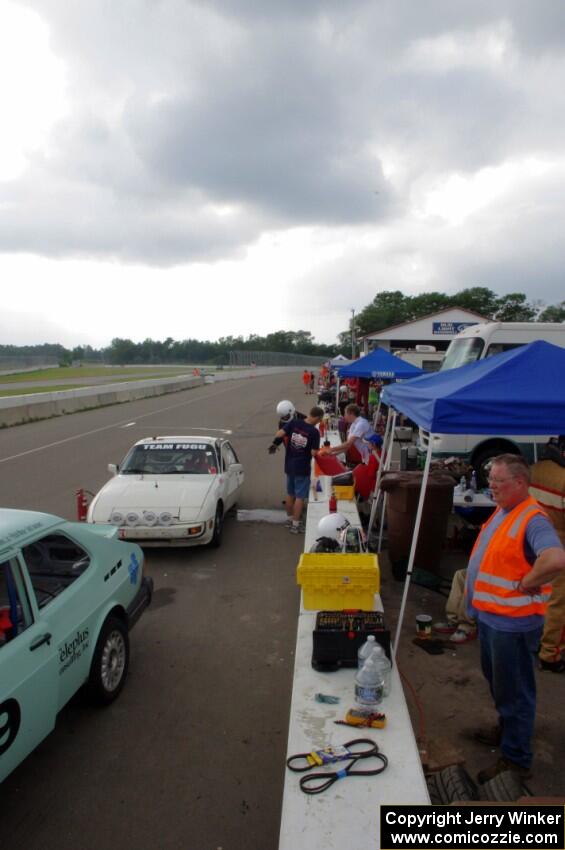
x=387 y=467
x=414 y=544
x=535 y=452
x=385 y=453
x=383 y=514
x=336 y=372
x=376 y=415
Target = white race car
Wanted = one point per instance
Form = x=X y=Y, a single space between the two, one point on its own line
x=171 y=491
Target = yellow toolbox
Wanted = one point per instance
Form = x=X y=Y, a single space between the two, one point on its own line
x=332 y=582
x=344 y=492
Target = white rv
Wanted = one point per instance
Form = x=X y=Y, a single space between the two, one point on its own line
x=476 y=343
x=423 y=356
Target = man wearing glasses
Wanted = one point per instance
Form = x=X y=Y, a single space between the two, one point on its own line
x=515 y=557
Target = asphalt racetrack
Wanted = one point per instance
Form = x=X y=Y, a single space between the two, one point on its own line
x=192 y=754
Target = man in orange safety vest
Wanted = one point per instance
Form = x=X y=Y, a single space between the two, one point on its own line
x=515 y=557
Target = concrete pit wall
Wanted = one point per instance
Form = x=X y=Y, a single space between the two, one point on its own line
x=16 y=410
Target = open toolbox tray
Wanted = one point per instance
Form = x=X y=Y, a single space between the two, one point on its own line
x=339 y=634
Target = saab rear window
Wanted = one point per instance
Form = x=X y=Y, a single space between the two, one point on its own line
x=15 y=610
x=54 y=562
x=171 y=459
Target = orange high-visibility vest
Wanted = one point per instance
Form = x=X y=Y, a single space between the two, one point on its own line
x=504 y=565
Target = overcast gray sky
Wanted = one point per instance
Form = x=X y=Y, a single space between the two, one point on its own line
x=199 y=169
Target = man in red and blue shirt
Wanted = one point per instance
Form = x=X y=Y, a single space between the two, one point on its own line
x=302 y=440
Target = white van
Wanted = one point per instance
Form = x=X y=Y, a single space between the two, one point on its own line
x=476 y=343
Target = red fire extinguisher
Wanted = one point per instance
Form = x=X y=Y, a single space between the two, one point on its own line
x=82 y=505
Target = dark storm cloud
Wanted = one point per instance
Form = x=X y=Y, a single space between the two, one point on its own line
x=195 y=127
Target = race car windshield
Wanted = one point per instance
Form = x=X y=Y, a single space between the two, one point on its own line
x=171 y=459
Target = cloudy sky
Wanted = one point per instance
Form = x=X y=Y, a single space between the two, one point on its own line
x=215 y=167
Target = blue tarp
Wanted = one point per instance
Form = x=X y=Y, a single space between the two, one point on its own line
x=379 y=364
x=519 y=392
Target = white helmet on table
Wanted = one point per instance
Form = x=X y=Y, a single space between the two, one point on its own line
x=333 y=526
x=285 y=409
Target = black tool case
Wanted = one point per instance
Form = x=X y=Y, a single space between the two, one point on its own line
x=339 y=634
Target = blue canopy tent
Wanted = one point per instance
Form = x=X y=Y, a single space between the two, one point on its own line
x=379 y=364
x=519 y=392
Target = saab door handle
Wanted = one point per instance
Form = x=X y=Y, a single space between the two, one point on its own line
x=46 y=638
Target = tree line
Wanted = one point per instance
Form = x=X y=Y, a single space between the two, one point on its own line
x=392 y=307
x=171 y=351
x=389 y=307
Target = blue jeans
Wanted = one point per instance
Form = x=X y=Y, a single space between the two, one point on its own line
x=507 y=661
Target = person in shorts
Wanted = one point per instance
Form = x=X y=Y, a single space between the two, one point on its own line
x=302 y=439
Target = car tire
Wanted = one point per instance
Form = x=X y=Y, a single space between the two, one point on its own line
x=110 y=663
x=450 y=785
x=216 y=540
x=483 y=457
x=505 y=787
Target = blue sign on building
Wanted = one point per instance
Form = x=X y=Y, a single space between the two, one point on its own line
x=450 y=328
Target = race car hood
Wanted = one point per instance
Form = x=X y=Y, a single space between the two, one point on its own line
x=131 y=492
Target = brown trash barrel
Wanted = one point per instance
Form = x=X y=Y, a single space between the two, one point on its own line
x=403 y=493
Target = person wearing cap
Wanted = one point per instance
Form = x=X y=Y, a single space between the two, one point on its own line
x=548 y=488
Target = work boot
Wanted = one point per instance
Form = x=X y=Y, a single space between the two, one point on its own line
x=552 y=666
x=491 y=736
x=501 y=766
x=445 y=628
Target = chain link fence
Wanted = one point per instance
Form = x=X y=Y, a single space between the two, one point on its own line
x=273 y=358
x=24 y=363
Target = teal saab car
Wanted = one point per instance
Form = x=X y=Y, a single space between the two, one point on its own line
x=69 y=594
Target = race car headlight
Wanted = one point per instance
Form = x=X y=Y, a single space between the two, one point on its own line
x=150 y=518
x=117 y=518
x=165 y=518
x=132 y=518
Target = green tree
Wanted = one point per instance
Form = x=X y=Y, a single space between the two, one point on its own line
x=553 y=313
x=477 y=298
x=387 y=308
x=514 y=308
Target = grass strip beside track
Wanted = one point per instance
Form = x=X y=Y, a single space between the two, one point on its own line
x=95 y=372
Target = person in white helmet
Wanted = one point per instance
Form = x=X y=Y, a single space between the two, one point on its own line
x=301 y=439
x=287 y=411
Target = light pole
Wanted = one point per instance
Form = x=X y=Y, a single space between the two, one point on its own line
x=353 y=333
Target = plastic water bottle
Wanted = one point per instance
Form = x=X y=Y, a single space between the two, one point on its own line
x=462 y=484
x=369 y=687
x=385 y=667
x=365 y=650
x=473 y=484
